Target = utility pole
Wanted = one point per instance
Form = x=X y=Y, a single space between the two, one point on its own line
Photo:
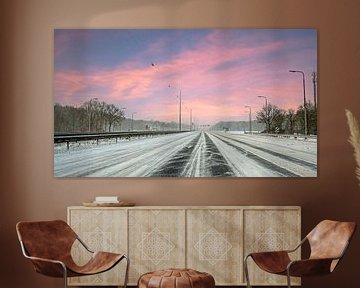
x=305 y=108
x=314 y=78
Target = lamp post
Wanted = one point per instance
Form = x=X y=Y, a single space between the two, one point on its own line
x=170 y=86
x=305 y=112
x=132 y=121
x=250 y=128
x=266 y=112
x=180 y=111
x=89 y=113
x=314 y=78
x=190 y=119
x=122 y=110
x=73 y=116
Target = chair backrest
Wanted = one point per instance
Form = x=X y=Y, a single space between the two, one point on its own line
x=329 y=239
x=46 y=239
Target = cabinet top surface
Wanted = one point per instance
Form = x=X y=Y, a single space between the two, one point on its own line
x=192 y=207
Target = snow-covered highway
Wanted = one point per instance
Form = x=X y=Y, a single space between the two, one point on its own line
x=192 y=154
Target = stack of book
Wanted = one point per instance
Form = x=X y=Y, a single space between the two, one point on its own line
x=106 y=199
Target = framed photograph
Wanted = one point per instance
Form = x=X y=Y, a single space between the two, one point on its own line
x=185 y=103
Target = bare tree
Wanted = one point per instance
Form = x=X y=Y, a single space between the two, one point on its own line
x=113 y=115
x=101 y=119
x=289 y=121
x=273 y=117
x=311 y=114
x=91 y=110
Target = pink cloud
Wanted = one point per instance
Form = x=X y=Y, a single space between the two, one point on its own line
x=211 y=86
x=67 y=84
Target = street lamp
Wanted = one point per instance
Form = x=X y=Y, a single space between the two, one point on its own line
x=180 y=111
x=314 y=78
x=246 y=106
x=179 y=108
x=132 y=121
x=89 y=112
x=305 y=112
x=266 y=112
x=190 y=119
x=122 y=111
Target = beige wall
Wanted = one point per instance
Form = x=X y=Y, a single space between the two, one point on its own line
x=28 y=189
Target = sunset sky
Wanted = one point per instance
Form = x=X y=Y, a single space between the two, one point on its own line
x=218 y=71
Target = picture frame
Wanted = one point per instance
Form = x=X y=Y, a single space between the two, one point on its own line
x=185 y=103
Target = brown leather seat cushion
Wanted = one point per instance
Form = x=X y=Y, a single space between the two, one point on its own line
x=176 y=278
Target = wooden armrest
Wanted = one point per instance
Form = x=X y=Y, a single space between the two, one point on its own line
x=308 y=267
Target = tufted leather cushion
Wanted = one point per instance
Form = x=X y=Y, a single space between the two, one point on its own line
x=176 y=278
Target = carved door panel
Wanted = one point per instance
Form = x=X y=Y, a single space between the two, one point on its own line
x=101 y=230
x=156 y=239
x=214 y=244
x=269 y=230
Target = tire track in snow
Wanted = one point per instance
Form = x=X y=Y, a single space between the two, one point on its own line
x=196 y=165
x=175 y=166
x=301 y=162
x=134 y=159
x=263 y=162
x=199 y=158
x=215 y=161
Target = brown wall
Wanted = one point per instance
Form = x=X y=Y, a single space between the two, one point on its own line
x=28 y=189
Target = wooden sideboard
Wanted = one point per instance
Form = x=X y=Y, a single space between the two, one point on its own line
x=213 y=239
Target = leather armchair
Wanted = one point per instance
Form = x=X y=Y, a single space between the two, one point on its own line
x=328 y=242
x=48 y=245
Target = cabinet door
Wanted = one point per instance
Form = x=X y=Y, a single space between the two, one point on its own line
x=101 y=230
x=270 y=230
x=156 y=240
x=214 y=244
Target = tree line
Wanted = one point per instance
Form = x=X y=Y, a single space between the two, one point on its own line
x=95 y=116
x=91 y=116
x=277 y=120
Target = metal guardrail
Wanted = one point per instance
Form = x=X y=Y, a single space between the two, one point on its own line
x=76 y=137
